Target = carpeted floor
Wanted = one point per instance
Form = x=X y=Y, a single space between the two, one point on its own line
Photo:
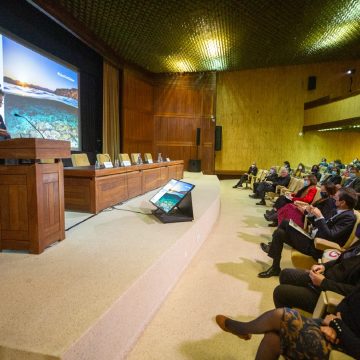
x=222 y=279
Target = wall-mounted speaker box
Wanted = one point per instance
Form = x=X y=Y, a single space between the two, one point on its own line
x=218 y=138
x=311 y=83
x=198 y=134
x=194 y=165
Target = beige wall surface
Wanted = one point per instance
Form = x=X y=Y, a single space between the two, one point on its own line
x=262 y=112
x=338 y=110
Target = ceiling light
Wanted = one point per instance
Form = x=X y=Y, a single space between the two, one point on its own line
x=351 y=71
x=213 y=48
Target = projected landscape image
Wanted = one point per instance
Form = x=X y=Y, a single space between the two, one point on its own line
x=41 y=90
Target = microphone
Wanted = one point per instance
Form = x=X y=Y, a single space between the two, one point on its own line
x=21 y=116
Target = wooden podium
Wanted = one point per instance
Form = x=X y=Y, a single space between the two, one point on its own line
x=32 y=194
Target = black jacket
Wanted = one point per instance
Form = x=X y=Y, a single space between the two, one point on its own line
x=283 y=181
x=343 y=274
x=338 y=228
x=354 y=184
x=252 y=170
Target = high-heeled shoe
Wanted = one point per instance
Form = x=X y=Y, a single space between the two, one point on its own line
x=220 y=320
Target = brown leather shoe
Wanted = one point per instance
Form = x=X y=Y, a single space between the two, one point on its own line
x=220 y=320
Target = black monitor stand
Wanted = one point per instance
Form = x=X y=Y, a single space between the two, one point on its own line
x=183 y=212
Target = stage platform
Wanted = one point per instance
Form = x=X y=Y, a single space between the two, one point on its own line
x=91 y=295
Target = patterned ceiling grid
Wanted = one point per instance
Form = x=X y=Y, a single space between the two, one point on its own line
x=203 y=35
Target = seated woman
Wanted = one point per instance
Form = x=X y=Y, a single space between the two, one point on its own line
x=299 y=171
x=297 y=210
x=288 y=333
x=316 y=171
x=306 y=194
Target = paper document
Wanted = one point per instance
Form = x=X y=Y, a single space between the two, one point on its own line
x=300 y=229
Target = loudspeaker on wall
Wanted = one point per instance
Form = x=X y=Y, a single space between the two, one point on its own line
x=198 y=134
x=218 y=138
x=311 y=83
x=194 y=165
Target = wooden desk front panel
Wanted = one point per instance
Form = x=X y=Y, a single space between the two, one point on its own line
x=179 y=171
x=110 y=190
x=172 y=172
x=164 y=175
x=79 y=194
x=134 y=183
x=86 y=187
x=151 y=179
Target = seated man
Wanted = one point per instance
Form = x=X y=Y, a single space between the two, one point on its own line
x=354 y=182
x=253 y=170
x=301 y=288
x=270 y=185
x=337 y=229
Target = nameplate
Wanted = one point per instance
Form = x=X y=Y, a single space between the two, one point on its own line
x=108 y=164
x=150 y=161
x=167 y=159
x=126 y=163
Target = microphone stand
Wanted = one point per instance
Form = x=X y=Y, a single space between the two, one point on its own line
x=29 y=122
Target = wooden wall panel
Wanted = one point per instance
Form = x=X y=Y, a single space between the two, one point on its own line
x=262 y=112
x=137 y=117
x=183 y=103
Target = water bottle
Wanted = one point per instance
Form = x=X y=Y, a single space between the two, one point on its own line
x=159 y=158
x=116 y=163
x=97 y=165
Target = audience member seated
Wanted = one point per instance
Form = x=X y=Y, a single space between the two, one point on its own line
x=271 y=176
x=282 y=208
x=323 y=162
x=334 y=178
x=354 y=179
x=337 y=229
x=288 y=333
x=253 y=170
x=356 y=162
x=316 y=171
x=287 y=167
x=270 y=185
x=326 y=204
x=301 y=288
x=338 y=163
x=354 y=183
x=300 y=170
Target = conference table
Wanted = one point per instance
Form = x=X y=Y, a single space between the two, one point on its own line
x=88 y=189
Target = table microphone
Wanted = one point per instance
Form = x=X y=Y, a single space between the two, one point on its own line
x=21 y=116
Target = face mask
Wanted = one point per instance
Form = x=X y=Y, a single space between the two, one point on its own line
x=306 y=182
x=352 y=175
x=300 y=167
x=272 y=171
x=324 y=194
x=253 y=165
x=334 y=173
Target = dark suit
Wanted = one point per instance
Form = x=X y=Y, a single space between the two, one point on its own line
x=252 y=171
x=337 y=229
x=353 y=183
x=335 y=179
x=341 y=276
x=264 y=187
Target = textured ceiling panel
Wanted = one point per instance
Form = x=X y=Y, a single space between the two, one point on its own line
x=199 y=35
